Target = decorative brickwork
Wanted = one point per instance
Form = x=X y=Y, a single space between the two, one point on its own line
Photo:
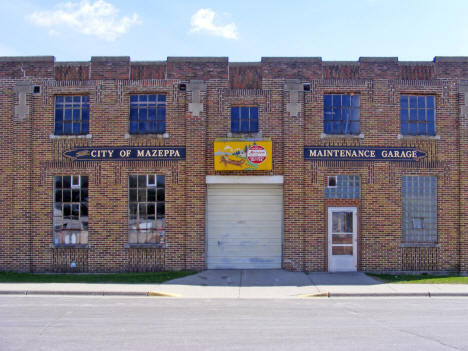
x=199 y=93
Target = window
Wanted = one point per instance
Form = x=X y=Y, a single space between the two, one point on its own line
x=147 y=114
x=70 y=219
x=146 y=221
x=343 y=187
x=417 y=115
x=71 y=115
x=341 y=114
x=419 y=209
x=244 y=119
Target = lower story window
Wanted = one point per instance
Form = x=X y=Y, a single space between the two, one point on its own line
x=146 y=212
x=70 y=219
x=419 y=209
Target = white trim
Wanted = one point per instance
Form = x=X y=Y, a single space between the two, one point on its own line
x=244 y=179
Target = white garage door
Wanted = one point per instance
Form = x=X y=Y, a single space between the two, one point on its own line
x=244 y=226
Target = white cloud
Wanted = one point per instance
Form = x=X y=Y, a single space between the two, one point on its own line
x=202 y=21
x=99 y=19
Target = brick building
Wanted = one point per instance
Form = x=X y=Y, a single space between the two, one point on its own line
x=194 y=163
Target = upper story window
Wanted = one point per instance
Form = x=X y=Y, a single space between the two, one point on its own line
x=244 y=119
x=417 y=114
x=70 y=210
x=341 y=114
x=147 y=114
x=71 y=114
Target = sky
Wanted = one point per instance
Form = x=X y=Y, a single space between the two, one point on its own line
x=75 y=30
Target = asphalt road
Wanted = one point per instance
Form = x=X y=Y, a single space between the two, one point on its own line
x=143 y=323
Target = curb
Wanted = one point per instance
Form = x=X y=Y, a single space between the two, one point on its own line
x=324 y=294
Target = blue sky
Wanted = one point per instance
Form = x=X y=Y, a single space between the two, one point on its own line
x=74 y=30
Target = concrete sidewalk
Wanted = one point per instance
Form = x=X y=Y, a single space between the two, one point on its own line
x=277 y=284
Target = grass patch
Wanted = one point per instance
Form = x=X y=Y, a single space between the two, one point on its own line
x=122 y=278
x=421 y=279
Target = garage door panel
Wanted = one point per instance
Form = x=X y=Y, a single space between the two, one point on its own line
x=244 y=226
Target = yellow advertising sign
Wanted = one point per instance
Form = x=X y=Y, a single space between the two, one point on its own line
x=242 y=155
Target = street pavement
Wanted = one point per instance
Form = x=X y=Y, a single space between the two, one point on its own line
x=248 y=284
x=76 y=323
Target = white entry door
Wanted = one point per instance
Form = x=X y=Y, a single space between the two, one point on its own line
x=342 y=239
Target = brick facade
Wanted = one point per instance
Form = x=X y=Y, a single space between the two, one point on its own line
x=288 y=114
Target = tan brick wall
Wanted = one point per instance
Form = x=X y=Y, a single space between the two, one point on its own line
x=31 y=158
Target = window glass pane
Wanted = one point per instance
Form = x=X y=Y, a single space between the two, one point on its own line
x=68 y=115
x=133 y=181
x=161 y=180
x=67 y=128
x=327 y=101
x=133 y=114
x=422 y=129
x=84 y=181
x=76 y=195
x=76 y=114
x=160 y=209
x=161 y=113
x=404 y=116
x=337 y=100
x=430 y=100
x=84 y=128
x=355 y=114
x=151 y=194
x=133 y=127
x=413 y=115
x=133 y=98
x=355 y=128
x=59 y=99
x=141 y=181
x=152 y=114
x=161 y=194
x=430 y=116
x=58 y=115
x=161 y=98
x=152 y=98
x=58 y=182
x=76 y=128
x=235 y=120
x=142 y=98
x=404 y=128
x=143 y=114
x=404 y=102
x=141 y=194
x=66 y=182
x=421 y=115
x=355 y=100
x=59 y=128
x=161 y=127
x=421 y=102
x=133 y=195
x=413 y=129
x=413 y=101
x=430 y=129
x=346 y=100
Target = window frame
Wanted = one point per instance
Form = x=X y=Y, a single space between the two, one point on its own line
x=84 y=111
x=417 y=122
x=416 y=208
x=239 y=130
x=328 y=123
x=140 y=227
x=63 y=236
x=137 y=107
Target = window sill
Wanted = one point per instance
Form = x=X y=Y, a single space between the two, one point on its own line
x=71 y=136
x=341 y=136
x=69 y=246
x=420 y=137
x=156 y=136
x=419 y=245
x=145 y=246
x=244 y=135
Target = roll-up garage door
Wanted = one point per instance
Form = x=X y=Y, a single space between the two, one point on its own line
x=244 y=226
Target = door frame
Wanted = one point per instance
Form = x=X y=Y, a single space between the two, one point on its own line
x=354 y=210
